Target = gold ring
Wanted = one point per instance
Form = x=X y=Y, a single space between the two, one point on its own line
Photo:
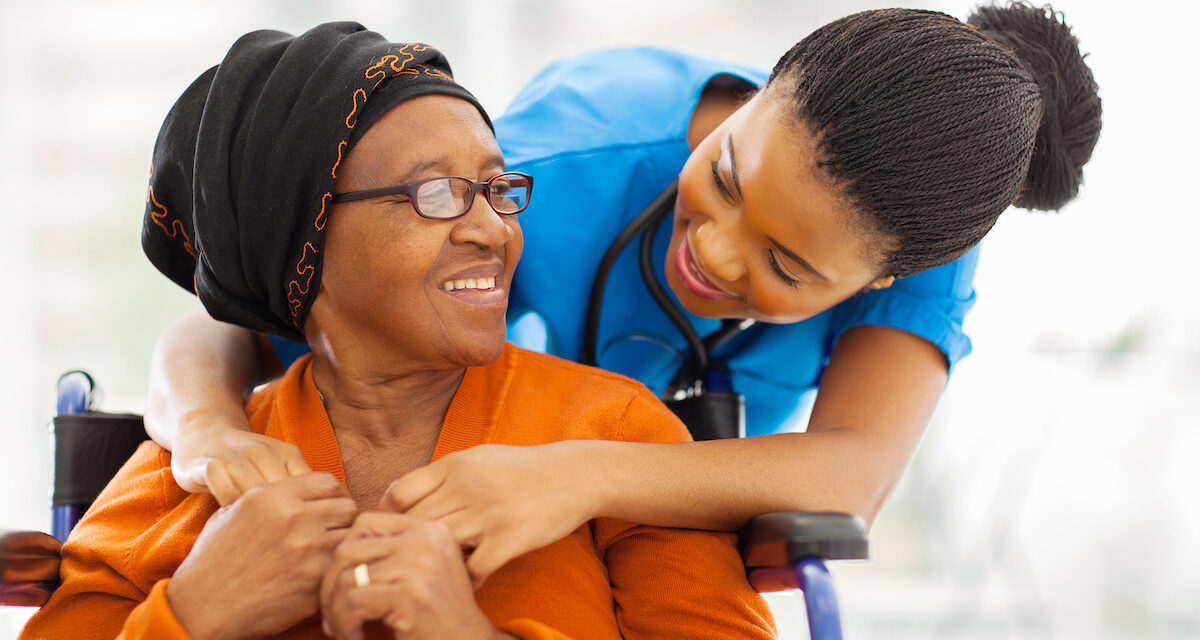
x=362 y=577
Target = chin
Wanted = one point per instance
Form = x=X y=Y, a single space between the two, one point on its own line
x=481 y=351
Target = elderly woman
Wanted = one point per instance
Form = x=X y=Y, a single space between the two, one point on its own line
x=319 y=164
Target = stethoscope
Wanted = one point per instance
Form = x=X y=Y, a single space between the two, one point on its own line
x=698 y=374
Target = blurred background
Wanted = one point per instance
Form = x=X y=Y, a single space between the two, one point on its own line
x=1054 y=495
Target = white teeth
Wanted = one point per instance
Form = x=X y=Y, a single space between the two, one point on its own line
x=487 y=283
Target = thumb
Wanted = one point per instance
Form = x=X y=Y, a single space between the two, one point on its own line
x=411 y=488
x=486 y=560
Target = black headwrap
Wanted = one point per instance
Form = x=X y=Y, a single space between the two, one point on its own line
x=245 y=163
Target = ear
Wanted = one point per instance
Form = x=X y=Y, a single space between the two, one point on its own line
x=881 y=283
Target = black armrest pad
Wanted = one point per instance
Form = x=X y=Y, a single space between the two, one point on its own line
x=782 y=539
x=29 y=563
x=89 y=449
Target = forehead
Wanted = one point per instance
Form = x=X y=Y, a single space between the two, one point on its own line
x=430 y=131
x=787 y=195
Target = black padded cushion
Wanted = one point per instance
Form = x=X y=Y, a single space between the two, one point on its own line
x=89 y=449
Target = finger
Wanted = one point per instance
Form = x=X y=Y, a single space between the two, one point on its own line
x=486 y=560
x=350 y=609
x=349 y=554
x=438 y=505
x=411 y=488
x=267 y=462
x=216 y=477
x=243 y=475
x=377 y=524
x=317 y=485
x=295 y=463
x=334 y=513
x=464 y=526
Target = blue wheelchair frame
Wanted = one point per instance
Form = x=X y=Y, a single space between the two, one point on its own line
x=781 y=551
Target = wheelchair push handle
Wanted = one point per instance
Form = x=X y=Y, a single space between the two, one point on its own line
x=76 y=393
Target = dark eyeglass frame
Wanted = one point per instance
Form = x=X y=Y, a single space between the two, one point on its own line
x=410 y=191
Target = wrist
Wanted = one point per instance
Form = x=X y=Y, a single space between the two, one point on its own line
x=597 y=478
x=197 y=625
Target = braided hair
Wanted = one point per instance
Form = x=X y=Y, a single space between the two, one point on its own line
x=931 y=127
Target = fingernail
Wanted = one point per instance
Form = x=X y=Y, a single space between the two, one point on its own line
x=325 y=628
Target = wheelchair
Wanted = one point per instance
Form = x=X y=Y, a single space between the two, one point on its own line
x=781 y=551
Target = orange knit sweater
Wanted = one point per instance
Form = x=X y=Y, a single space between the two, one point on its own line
x=607 y=579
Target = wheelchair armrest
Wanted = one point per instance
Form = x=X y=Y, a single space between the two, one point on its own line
x=773 y=543
x=29 y=563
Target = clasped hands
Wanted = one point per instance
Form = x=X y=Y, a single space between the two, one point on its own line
x=298 y=546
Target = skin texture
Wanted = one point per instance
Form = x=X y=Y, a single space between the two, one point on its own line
x=778 y=195
x=260 y=561
x=390 y=347
x=875 y=398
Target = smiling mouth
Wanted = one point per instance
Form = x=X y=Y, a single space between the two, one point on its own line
x=692 y=278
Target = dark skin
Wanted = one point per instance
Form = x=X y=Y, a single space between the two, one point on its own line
x=744 y=236
x=390 y=346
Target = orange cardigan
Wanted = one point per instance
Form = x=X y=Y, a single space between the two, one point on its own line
x=607 y=579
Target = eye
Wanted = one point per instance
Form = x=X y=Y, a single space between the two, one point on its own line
x=720 y=183
x=788 y=280
x=500 y=186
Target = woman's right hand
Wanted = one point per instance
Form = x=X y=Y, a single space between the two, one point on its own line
x=256 y=568
x=222 y=457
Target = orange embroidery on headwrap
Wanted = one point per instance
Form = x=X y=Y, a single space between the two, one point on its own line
x=388 y=65
x=325 y=200
x=159 y=215
x=295 y=289
x=333 y=171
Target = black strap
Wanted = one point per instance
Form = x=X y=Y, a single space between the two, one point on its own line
x=699 y=360
x=661 y=205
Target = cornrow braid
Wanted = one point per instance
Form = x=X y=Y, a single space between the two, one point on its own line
x=928 y=125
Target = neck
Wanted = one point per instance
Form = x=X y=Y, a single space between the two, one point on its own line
x=383 y=409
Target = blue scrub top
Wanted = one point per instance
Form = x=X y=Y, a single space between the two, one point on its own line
x=603 y=134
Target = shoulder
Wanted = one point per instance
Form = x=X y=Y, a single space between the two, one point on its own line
x=577 y=401
x=610 y=97
x=543 y=370
x=141 y=525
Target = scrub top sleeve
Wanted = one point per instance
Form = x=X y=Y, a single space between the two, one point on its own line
x=288 y=351
x=931 y=305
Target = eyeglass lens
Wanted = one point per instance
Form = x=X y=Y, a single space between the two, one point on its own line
x=450 y=197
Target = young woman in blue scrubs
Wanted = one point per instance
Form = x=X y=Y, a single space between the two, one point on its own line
x=837 y=201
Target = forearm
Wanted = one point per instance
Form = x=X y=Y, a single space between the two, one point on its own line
x=720 y=485
x=875 y=400
x=200 y=370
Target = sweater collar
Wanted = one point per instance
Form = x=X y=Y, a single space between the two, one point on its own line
x=299 y=415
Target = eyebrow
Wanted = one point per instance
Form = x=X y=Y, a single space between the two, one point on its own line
x=800 y=261
x=737 y=184
x=411 y=174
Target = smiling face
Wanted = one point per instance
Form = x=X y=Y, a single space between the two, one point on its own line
x=383 y=291
x=758 y=231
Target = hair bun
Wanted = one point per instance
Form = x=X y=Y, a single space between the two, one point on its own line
x=1071 y=105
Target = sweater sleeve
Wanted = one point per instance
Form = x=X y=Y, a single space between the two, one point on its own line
x=676 y=582
x=106 y=591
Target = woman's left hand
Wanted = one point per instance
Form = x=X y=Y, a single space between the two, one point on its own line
x=406 y=573
x=503 y=501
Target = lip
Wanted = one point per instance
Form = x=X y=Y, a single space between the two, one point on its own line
x=692 y=276
x=489 y=270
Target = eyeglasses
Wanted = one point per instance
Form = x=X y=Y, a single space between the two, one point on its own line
x=449 y=197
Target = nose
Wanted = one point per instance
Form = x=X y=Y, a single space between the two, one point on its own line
x=717 y=249
x=482 y=226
